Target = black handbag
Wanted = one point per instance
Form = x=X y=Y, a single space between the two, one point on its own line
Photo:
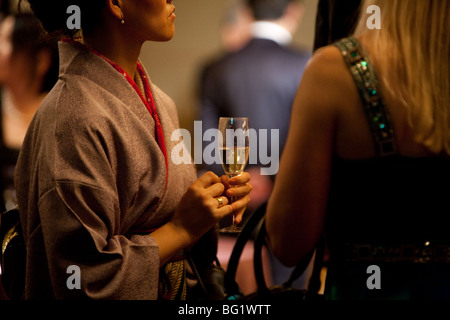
x=211 y=282
x=285 y=292
x=214 y=283
x=205 y=265
x=13 y=254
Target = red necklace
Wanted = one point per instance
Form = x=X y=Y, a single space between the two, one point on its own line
x=147 y=100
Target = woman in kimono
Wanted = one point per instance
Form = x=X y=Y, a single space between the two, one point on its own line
x=105 y=212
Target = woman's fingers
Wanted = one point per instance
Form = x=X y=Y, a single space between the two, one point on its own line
x=243 y=178
x=221 y=202
x=215 y=190
x=239 y=191
x=235 y=181
x=238 y=216
x=237 y=207
x=207 y=179
x=238 y=186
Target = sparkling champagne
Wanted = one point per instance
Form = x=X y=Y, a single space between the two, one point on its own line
x=234 y=160
x=234 y=153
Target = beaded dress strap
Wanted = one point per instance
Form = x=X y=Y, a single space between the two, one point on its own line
x=367 y=82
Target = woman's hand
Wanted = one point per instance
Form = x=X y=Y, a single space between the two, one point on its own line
x=199 y=210
x=238 y=188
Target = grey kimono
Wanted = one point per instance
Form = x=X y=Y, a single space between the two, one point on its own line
x=91 y=184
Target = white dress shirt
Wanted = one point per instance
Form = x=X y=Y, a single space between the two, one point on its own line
x=271 y=31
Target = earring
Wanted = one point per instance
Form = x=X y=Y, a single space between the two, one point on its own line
x=122 y=21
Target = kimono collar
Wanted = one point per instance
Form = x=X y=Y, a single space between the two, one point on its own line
x=146 y=96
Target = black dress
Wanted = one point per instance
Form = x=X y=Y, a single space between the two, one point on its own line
x=390 y=211
x=8 y=159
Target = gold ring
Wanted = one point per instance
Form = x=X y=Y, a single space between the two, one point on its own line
x=220 y=200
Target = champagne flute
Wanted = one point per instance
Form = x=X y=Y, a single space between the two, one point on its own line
x=234 y=152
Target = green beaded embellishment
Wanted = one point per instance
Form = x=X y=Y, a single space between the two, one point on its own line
x=368 y=86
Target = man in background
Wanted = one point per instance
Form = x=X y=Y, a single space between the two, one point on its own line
x=258 y=81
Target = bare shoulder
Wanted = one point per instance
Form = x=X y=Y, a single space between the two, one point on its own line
x=327 y=66
x=327 y=82
x=328 y=55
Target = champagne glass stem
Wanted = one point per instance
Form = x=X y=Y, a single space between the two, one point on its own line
x=233 y=199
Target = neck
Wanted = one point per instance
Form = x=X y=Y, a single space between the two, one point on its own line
x=116 y=47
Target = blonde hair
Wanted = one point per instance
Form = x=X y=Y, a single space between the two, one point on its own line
x=415 y=39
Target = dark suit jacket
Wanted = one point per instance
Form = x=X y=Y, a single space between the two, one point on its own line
x=259 y=82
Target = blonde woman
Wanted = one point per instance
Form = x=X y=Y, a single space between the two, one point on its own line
x=367 y=158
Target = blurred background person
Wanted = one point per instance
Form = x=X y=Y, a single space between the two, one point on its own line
x=235 y=29
x=368 y=162
x=3 y=11
x=258 y=81
x=235 y=32
x=28 y=71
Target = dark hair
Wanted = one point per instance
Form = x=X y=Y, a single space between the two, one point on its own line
x=53 y=14
x=29 y=38
x=268 y=9
x=4 y=8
